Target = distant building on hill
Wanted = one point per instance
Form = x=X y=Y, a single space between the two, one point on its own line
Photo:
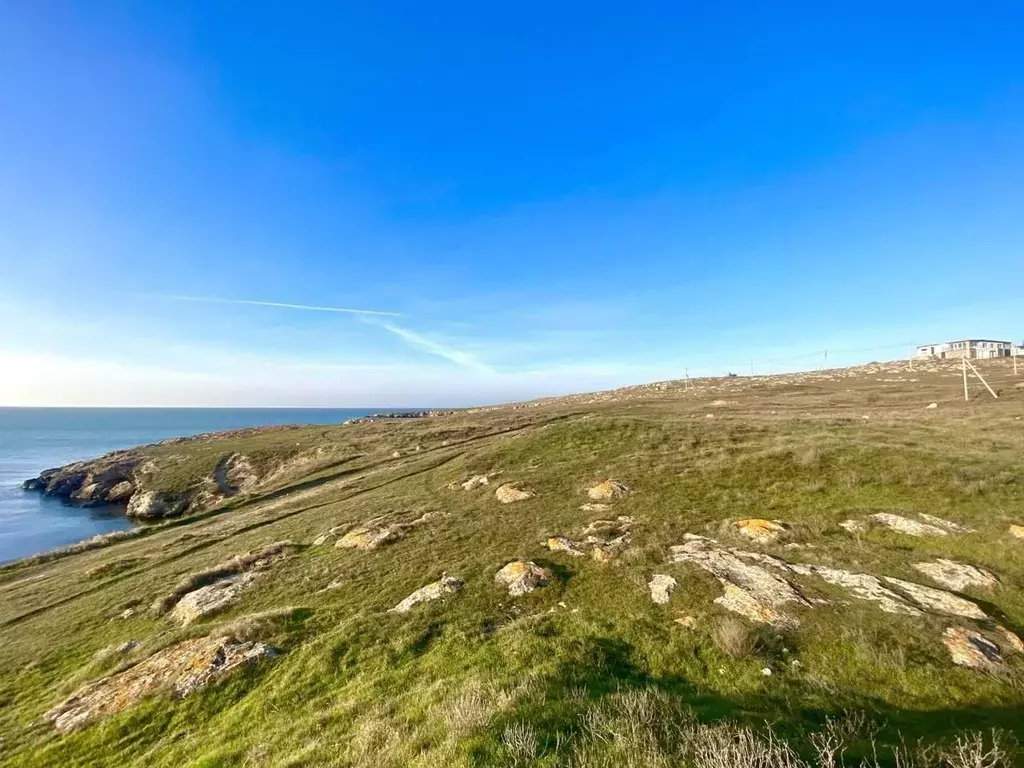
x=971 y=348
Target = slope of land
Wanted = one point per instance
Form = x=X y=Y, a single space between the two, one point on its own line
x=645 y=576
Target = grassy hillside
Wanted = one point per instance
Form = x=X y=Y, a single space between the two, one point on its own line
x=587 y=670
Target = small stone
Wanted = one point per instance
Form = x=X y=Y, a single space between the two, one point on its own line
x=661 y=587
x=687 y=622
x=767 y=672
x=127 y=613
x=591 y=507
x=970 y=649
x=1017 y=531
x=207 y=600
x=854 y=526
x=370 y=538
x=932 y=405
x=396 y=455
x=511 y=492
x=522 y=577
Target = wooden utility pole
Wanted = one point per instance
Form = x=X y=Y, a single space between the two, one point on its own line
x=982 y=378
x=751 y=366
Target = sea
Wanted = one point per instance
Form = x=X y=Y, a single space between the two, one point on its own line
x=34 y=439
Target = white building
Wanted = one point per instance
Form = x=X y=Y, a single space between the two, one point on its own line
x=971 y=348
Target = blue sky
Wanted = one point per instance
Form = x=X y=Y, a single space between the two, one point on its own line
x=530 y=198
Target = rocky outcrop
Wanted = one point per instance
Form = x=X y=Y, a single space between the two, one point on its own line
x=446 y=585
x=562 y=544
x=182 y=668
x=154 y=505
x=369 y=538
x=110 y=479
x=522 y=577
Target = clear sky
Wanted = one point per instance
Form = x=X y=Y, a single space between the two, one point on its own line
x=523 y=198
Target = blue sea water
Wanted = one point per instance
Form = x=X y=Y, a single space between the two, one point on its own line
x=34 y=439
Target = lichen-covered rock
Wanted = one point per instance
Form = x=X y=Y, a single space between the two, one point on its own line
x=660 y=587
x=1014 y=643
x=947 y=525
x=957 y=576
x=511 y=492
x=153 y=505
x=854 y=526
x=609 y=490
x=182 y=668
x=522 y=577
x=620 y=525
x=862 y=585
x=593 y=506
x=562 y=544
x=214 y=597
x=967 y=648
x=764 y=531
x=369 y=538
x=446 y=585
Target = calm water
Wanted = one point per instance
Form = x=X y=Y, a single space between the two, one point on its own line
x=34 y=439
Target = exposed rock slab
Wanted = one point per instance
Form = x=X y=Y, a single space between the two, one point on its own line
x=609 y=490
x=947 y=525
x=661 y=586
x=750 y=590
x=906 y=525
x=967 y=648
x=212 y=598
x=369 y=538
x=446 y=585
x=937 y=600
x=620 y=525
x=522 y=577
x=957 y=576
x=511 y=492
x=183 y=668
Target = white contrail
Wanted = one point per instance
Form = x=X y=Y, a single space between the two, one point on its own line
x=283 y=305
x=432 y=347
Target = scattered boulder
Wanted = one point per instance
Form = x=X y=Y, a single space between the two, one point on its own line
x=446 y=585
x=967 y=648
x=207 y=600
x=957 y=576
x=562 y=544
x=1017 y=531
x=522 y=577
x=763 y=531
x=369 y=538
x=183 y=668
x=594 y=507
x=153 y=505
x=661 y=586
x=609 y=490
x=511 y=492
x=474 y=482
x=687 y=622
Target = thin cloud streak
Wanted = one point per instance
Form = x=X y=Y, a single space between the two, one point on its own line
x=283 y=305
x=432 y=347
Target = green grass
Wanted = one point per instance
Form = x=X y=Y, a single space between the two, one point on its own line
x=485 y=679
